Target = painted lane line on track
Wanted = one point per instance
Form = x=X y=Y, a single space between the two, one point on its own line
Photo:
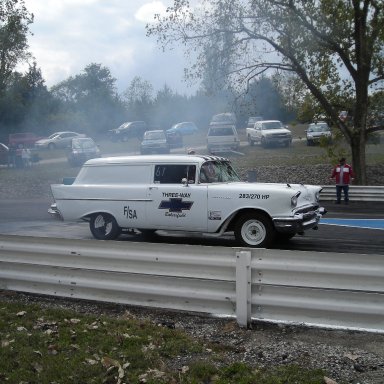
x=356 y=223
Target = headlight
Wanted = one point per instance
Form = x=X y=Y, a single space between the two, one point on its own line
x=317 y=196
x=294 y=199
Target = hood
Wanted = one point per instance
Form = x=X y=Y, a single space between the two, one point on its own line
x=277 y=131
x=309 y=194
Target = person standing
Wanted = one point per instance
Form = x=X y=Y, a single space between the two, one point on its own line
x=343 y=175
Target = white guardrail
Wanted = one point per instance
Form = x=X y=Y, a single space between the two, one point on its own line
x=334 y=290
x=356 y=193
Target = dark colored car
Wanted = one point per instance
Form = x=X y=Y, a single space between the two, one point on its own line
x=185 y=128
x=252 y=120
x=128 y=130
x=154 y=142
x=175 y=139
x=81 y=150
x=4 y=152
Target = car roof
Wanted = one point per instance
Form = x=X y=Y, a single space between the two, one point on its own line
x=153 y=159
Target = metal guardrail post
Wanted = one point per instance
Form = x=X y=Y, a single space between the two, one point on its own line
x=243 y=288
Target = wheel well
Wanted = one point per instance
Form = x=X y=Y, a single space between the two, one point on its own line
x=239 y=213
x=89 y=216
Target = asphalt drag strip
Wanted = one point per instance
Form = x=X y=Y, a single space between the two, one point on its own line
x=355 y=223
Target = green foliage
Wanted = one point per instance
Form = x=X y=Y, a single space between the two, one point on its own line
x=14 y=29
x=334 y=48
x=43 y=344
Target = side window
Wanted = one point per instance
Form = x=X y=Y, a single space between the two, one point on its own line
x=174 y=173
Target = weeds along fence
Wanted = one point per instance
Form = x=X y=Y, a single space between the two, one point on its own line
x=318 y=289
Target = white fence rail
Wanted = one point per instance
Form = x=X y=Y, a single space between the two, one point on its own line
x=323 y=289
x=356 y=193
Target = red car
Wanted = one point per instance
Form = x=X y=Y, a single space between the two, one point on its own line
x=26 y=139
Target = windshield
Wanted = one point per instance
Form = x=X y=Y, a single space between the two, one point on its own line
x=83 y=144
x=318 y=128
x=154 y=135
x=272 y=125
x=217 y=171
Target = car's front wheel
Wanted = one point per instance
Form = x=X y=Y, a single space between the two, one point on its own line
x=255 y=230
x=51 y=146
x=264 y=143
x=250 y=141
x=103 y=226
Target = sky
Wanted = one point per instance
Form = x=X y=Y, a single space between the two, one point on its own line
x=70 y=34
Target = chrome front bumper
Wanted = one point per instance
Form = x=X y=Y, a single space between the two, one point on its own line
x=54 y=212
x=300 y=222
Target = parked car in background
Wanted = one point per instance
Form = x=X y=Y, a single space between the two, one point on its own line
x=25 y=139
x=128 y=130
x=222 y=138
x=185 y=128
x=82 y=149
x=175 y=139
x=252 y=120
x=317 y=132
x=4 y=153
x=57 y=140
x=268 y=133
x=226 y=118
x=154 y=142
x=343 y=115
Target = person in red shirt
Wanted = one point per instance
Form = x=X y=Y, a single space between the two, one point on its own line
x=343 y=175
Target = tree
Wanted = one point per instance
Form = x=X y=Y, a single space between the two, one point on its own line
x=26 y=104
x=335 y=48
x=139 y=98
x=90 y=100
x=14 y=22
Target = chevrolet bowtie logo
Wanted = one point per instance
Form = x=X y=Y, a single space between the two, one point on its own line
x=176 y=205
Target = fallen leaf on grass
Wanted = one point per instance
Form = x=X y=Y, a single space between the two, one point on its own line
x=91 y=361
x=327 y=380
x=37 y=367
x=21 y=313
x=151 y=374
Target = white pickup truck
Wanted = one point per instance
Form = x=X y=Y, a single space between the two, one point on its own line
x=184 y=193
x=268 y=133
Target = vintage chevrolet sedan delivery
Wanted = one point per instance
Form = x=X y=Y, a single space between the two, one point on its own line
x=192 y=193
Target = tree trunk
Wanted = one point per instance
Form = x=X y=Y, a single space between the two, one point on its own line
x=358 y=159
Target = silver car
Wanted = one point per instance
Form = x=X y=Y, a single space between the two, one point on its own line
x=318 y=132
x=57 y=140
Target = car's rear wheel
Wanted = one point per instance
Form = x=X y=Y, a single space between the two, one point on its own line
x=255 y=230
x=103 y=226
